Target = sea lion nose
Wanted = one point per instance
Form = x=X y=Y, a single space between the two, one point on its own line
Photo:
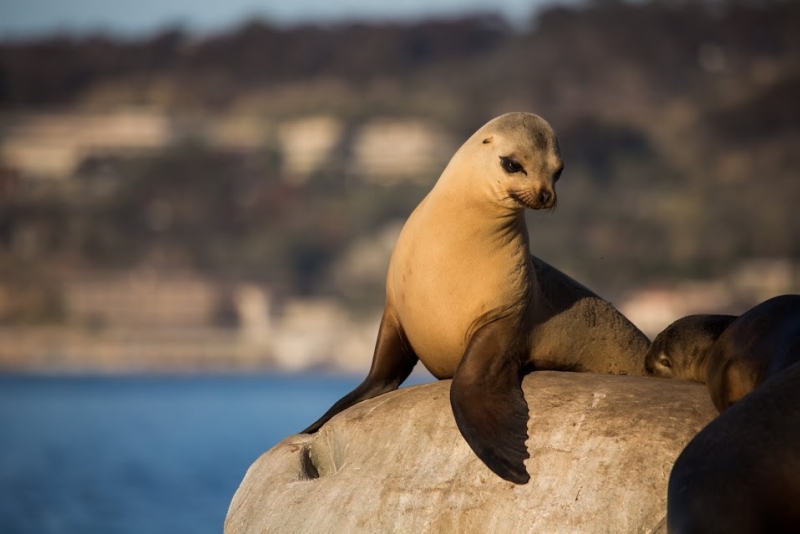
x=544 y=197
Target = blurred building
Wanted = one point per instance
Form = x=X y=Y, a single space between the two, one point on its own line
x=237 y=131
x=54 y=145
x=142 y=299
x=383 y=150
x=388 y=151
x=307 y=145
x=148 y=321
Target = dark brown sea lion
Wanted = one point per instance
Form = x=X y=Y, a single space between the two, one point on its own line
x=741 y=473
x=465 y=296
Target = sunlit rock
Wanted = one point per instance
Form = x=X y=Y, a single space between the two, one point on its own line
x=601 y=452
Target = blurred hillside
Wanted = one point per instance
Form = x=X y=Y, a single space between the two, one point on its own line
x=286 y=159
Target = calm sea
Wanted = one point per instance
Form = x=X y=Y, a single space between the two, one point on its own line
x=142 y=454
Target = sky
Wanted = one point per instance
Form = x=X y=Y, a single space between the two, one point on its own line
x=30 y=18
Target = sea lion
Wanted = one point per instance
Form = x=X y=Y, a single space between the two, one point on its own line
x=741 y=473
x=681 y=349
x=731 y=355
x=465 y=296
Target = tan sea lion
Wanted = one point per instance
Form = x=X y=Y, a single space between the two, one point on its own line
x=681 y=349
x=465 y=296
x=731 y=355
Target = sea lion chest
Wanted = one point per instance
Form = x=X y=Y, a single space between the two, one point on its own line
x=445 y=281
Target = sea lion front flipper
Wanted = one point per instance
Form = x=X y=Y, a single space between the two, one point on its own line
x=488 y=403
x=393 y=361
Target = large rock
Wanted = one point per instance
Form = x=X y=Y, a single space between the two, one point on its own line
x=601 y=452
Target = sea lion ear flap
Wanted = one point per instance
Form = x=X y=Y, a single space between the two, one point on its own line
x=488 y=140
x=488 y=403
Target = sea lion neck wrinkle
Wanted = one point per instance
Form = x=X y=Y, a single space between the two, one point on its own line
x=461 y=261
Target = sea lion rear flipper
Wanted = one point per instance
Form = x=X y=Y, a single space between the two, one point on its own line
x=393 y=361
x=488 y=403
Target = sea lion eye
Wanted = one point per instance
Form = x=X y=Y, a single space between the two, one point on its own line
x=511 y=166
x=665 y=362
x=557 y=174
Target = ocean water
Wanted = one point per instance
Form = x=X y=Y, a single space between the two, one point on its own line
x=145 y=455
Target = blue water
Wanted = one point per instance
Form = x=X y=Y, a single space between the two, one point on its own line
x=141 y=454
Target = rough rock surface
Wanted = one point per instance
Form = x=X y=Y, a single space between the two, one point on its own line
x=601 y=452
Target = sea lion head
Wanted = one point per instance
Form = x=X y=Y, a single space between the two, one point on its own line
x=680 y=351
x=517 y=159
